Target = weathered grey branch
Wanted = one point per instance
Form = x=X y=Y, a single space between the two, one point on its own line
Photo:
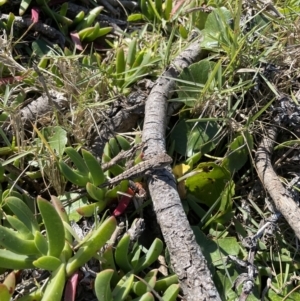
x=186 y=257
x=42 y=106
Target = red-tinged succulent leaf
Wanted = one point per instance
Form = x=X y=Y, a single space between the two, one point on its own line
x=123 y=204
x=10 y=80
x=71 y=287
x=75 y=38
x=176 y=7
x=10 y=282
x=35 y=12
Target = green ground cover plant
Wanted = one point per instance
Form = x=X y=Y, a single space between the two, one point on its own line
x=245 y=80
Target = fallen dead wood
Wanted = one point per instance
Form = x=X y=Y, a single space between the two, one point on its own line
x=35 y=110
x=186 y=257
x=279 y=194
x=122 y=116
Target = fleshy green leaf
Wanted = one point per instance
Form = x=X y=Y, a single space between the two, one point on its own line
x=95 y=192
x=214 y=251
x=123 y=287
x=11 y=241
x=124 y=144
x=20 y=227
x=151 y=256
x=23 y=6
x=141 y=287
x=47 y=263
x=171 y=293
x=4 y=293
x=41 y=243
x=96 y=174
x=73 y=175
x=102 y=285
x=54 y=227
x=91 y=209
x=23 y=213
x=11 y=260
x=94 y=243
x=77 y=160
x=163 y=283
x=135 y=17
x=56 y=285
x=121 y=253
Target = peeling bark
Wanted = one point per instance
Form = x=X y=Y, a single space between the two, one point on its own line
x=186 y=257
x=281 y=198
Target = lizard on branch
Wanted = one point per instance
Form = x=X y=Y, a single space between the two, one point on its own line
x=143 y=168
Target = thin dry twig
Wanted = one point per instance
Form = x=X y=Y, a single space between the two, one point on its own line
x=284 y=203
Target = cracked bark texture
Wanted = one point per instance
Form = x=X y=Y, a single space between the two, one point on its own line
x=186 y=257
x=280 y=196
